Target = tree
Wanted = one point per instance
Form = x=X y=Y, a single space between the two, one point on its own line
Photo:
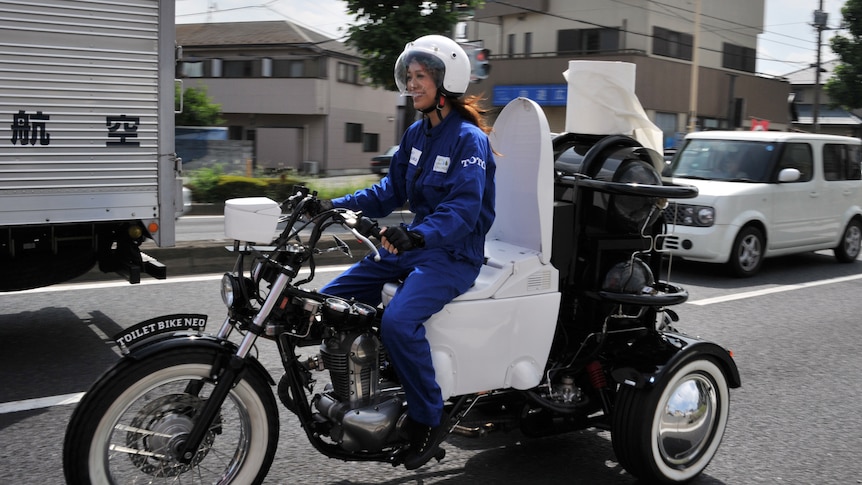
x=198 y=109
x=845 y=86
x=383 y=28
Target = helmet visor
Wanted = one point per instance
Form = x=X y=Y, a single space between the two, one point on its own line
x=406 y=67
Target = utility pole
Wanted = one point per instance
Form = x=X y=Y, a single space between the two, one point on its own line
x=695 y=67
x=820 y=18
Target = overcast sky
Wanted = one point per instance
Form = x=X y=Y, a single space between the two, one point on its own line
x=787 y=44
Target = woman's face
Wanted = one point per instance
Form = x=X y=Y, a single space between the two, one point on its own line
x=421 y=85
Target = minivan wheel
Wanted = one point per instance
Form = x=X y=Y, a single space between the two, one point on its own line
x=746 y=255
x=848 y=249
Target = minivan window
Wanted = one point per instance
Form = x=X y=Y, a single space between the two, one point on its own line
x=841 y=162
x=798 y=156
x=737 y=160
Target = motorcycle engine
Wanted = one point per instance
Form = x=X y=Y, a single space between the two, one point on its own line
x=364 y=416
x=353 y=360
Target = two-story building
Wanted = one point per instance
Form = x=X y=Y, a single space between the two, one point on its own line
x=298 y=95
x=808 y=92
x=531 y=42
x=294 y=94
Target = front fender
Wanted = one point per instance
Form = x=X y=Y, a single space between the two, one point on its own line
x=658 y=354
x=219 y=347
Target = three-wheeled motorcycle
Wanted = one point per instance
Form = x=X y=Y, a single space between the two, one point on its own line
x=568 y=326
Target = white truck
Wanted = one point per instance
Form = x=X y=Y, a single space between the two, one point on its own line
x=87 y=163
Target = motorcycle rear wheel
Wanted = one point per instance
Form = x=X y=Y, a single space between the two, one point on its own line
x=670 y=432
x=124 y=428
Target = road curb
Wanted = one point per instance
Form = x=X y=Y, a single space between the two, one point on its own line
x=206 y=257
x=202 y=209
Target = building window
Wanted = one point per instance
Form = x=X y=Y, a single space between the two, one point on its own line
x=510 y=44
x=288 y=68
x=586 y=41
x=528 y=44
x=296 y=69
x=667 y=124
x=353 y=132
x=348 y=73
x=370 y=142
x=244 y=68
x=738 y=57
x=670 y=43
x=192 y=69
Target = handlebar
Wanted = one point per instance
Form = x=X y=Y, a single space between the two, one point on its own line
x=362 y=228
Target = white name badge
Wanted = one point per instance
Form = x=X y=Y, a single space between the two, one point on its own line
x=415 y=153
x=441 y=164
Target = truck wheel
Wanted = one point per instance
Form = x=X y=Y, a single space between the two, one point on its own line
x=851 y=240
x=746 y=255
x=670 y=432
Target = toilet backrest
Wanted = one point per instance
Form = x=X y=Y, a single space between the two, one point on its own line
x=524 y=178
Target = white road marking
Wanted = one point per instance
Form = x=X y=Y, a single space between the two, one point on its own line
x=147 y=282
x=40 y=402
x=776 y=289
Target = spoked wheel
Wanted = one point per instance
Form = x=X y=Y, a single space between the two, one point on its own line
x=669 y=433
x=130 y=426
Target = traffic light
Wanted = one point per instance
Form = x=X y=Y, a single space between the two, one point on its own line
x=479 y=57
x=481 y=66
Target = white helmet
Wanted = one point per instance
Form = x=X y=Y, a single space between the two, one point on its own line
x=441 y=55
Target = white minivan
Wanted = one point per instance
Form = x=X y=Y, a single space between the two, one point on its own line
x=763 y=194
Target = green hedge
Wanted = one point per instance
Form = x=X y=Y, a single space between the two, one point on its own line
x=209 y=185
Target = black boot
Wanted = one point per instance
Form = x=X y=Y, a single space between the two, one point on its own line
x=424 y=442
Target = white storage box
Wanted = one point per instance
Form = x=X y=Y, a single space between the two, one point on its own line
x=251 y=219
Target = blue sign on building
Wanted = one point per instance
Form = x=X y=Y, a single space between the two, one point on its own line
x=542 y=94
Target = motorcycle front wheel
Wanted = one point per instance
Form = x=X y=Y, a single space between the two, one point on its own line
x=670 y=432
x=127 y=428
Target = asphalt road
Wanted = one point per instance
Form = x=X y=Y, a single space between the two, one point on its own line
x=793 y=330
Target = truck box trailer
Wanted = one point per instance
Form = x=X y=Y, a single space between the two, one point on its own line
x=88 y=169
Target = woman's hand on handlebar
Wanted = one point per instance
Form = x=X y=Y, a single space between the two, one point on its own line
x=397 y=239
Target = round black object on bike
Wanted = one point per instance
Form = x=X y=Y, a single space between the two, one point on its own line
x=634 y=213
x=632 y=276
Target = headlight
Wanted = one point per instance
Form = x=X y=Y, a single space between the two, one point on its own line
x=692 y=215
x=230 y=289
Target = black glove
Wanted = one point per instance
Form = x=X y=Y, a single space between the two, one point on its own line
x=316 y=206
x=402 y=239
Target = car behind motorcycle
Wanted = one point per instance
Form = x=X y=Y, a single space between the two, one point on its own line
x=567 y=327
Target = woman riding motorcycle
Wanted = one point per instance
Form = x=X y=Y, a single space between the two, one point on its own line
x=444 y=168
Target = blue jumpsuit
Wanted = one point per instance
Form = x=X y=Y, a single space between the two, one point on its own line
x=447 y=175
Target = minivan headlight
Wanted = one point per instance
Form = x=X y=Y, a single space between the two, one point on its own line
x=691 y=215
